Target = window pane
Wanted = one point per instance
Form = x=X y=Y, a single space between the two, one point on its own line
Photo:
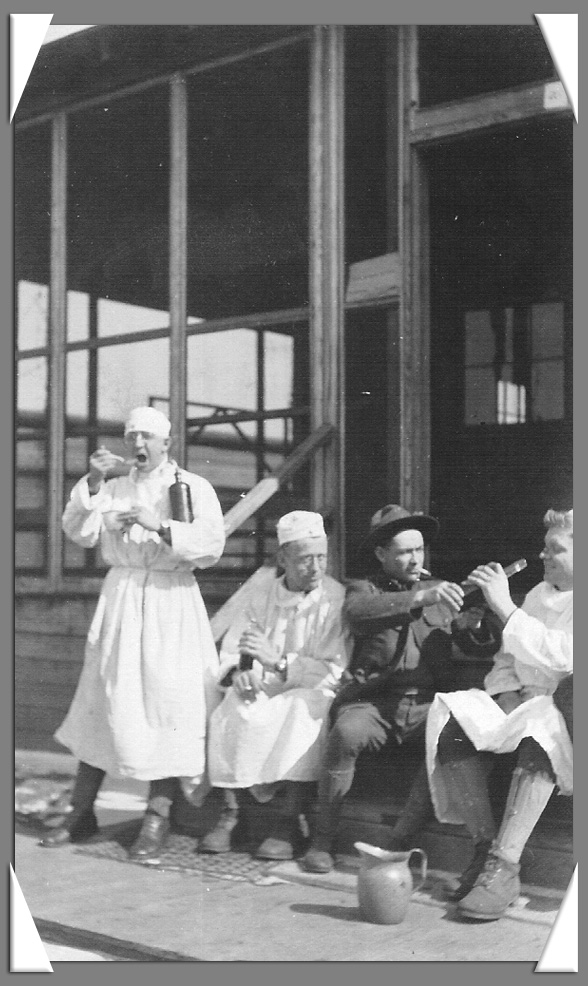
x=457 y=62
x=248 y=185
x=548 y=391
x=31 y=382
x=77 y=392
x=78 y=315
x=547 y=322
x=32 y=210
x=130 y=375
x=29 y=550
x=479 y=339
x=117 y=318
x=480 y=396
x=118 y=210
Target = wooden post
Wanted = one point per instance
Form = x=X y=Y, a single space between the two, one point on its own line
x=413 y=334
x=57 y=337
x=178 y=264
x=326 y=248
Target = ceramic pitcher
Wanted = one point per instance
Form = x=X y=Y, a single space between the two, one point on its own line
x=384 y=883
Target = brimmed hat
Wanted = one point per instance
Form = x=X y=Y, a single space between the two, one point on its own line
x=393 y=518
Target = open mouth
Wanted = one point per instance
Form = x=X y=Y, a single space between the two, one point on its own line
x=141 y=457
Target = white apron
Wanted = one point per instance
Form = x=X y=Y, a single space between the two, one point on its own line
x=281 y=735
x=150 y=664
x=536 y=655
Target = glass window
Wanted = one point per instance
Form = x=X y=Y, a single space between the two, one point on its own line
x=117 y=219
x=366 y=184
x=248 y=185
x=32 y=211
x=514 y=365
x=129 y=375
x=457 y=62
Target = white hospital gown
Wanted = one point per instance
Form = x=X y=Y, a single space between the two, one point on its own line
x=150 y=664
x=281 y=735
x=536 y=654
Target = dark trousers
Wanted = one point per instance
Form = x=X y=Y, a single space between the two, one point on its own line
x=365 y=727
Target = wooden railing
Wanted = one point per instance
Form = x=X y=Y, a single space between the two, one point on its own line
x=251 y=503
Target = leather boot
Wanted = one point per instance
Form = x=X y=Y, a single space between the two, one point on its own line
x=75 y=827
x=471 y=873
x=220 y=839
x=149 y=844
x=497 y=887
x=333 y=786
x=280 y=843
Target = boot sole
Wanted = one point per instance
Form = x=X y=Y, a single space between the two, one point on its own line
x=477 y=916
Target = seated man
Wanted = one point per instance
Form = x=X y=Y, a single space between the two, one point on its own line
x=271 y=725
x=403 y=629
x=515 y=712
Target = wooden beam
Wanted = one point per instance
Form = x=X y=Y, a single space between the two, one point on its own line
x=326 y=246
x=266 y=487
x=437 y=123
x=178 y=224
x=56 y=396
x=412 y=339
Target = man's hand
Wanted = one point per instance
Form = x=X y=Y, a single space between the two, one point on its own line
x=493 y=582
x=255 y=644
x=138 y=514
x=102 y=461
x=449 y=593
x=247 y=685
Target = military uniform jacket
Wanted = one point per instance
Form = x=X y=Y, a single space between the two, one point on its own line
x=401 y=648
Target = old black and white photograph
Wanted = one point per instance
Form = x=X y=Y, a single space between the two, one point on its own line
x=293 y=478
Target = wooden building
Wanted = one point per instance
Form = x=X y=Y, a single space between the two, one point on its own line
x=268 y=229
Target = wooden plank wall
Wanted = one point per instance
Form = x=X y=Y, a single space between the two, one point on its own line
x=49 y=638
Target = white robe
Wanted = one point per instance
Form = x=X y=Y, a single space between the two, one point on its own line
x=150 y=664
x=536 y=654
x=281 y=735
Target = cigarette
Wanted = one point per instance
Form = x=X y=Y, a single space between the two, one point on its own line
x=425 y=572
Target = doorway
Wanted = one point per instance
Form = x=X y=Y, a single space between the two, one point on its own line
x=501 y=342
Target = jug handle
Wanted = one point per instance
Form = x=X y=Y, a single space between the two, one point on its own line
x=423 y=866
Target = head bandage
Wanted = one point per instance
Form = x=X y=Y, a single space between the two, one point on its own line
x=150 y=420
x=299 y=524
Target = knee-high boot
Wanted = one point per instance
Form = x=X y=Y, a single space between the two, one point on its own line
x=280 y=843
x=332 y=788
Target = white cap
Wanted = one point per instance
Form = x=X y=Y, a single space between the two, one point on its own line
x=148 y=419
x=298 y=525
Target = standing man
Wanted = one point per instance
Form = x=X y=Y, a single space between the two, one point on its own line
x=515 y=712
x=403 y=628
x=150 y=662
x=270 y=729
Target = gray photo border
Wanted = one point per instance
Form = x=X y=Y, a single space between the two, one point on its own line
x=249 y=11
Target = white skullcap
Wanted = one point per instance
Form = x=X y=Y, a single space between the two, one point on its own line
x=148 y=419
x=298 y=525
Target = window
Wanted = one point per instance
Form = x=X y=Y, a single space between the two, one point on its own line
x=514 y=365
